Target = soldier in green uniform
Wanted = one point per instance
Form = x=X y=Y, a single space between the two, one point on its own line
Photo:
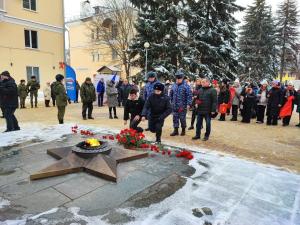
x=33 y=87
x=88 y=96
x=22 y=92
x=61 y=97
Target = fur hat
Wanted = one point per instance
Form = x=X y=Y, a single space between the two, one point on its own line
x=5 y=73
x=59 y=77
x=159 y=87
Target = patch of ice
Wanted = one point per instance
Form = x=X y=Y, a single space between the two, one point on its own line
x=44 y=213
x=4 y=203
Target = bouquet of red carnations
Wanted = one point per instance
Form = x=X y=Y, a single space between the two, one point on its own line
x=130 y=138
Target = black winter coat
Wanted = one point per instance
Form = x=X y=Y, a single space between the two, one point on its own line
x=134 y=108
x=159 y=106
x=9 y=94
x=224 y=97
x=274 y=97
x=206 y=100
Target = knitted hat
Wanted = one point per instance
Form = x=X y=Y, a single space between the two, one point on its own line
x=151 y=74
x=5 y=73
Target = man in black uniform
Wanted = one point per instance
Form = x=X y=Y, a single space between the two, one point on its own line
x=159 y=106
x=9 y=101
x=134 y=106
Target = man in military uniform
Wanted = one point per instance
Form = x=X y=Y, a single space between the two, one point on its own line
x=22 y=92
x=61 y=97
x=33 y=87
x=181 y=100
x=88 y=96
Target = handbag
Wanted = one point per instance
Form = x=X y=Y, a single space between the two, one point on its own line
x=223 y=108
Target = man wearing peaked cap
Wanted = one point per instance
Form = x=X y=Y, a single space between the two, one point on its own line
x=181 y=100
x=160 y=107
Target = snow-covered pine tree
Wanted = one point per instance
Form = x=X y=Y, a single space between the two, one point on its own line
x=288 y=35
x=258 y=42
x=212 y=33
x=158 y=24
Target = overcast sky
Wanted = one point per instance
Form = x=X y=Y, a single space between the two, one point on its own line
x=72 y=7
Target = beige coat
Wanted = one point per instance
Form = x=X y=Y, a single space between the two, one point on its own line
x=47 y=93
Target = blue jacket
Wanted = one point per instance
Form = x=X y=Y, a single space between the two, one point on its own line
x=181 y=96
x=149 y=89
x=100 y=87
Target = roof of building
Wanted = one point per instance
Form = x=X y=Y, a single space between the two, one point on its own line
x=112 y=68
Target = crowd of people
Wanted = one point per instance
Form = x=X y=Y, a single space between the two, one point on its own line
x=155 y=101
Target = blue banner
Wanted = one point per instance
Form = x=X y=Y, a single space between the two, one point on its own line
x=71 y=83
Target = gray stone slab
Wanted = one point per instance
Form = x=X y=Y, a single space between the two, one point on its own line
x=26 y=187
x=16 y=175
x=80 y=185
x=112 y=195
x=41 y=201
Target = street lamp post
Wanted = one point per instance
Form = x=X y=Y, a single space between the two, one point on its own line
x=146 y=46
x=250 y=74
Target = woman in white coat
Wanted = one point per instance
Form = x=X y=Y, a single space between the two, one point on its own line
x=47 y=94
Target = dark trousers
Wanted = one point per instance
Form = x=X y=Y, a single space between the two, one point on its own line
x=2 y=111
x=112 y=109
x=135 y=124
x=87 y=107
x=222 y=117
x=33 y=96
x=235 y=109
x=47 y=103
x=155 y=126
x=77 y=94
x=100 y=99
x=286 y=120
x=260 y=113
x=200 y=118
x=53 y=101
x=194 y=115
x=11 y=120
x=247 y=114
x=273 y=114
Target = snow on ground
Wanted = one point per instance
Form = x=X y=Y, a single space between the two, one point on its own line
x=3 y=203
x=237 y=191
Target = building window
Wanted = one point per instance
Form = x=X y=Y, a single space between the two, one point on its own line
x=95 y=56
x=33 y=71
x=31 y=39
x=29 y=4
x=1 y=5
x=114 y=54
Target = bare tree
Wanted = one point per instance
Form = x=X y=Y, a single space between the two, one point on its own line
x=113 y=25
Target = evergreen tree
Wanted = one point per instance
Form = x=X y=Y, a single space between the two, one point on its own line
x=287 y=24
x=212 y=33
x=157 y=24
x=258 y=42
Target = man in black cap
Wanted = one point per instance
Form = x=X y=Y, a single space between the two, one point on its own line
x=159 y=106
x=88 y=96
x=9 y=101
x=33 y=87
x=61 y=97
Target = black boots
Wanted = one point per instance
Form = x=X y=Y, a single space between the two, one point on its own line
x=175 y=132
x=61 y=122
x=182 y=132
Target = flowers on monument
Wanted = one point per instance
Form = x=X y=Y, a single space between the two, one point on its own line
x=92 y=142
x=185 y=154
x=130 y=138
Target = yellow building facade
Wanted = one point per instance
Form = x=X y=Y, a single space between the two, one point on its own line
x=87 y=58
x=32 y=38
